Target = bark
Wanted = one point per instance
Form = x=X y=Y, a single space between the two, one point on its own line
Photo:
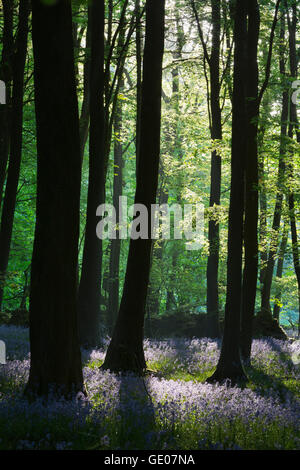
x=212 y=326
x=173 y=147
x=55 y=354
x=115 y=250
x=293 y=126
x=6 y=76
x=89 y=294
x=279 y=272
x=251 y=183
x=125 y=351
x=9 y=202
x=254 y=99
x=263 y=203
x=154 y=288
x=139 y=64
x=105 y=92
x=230 y=366
x=85 y=108
x=262 y=222
x=214 y=110
x=266 y=290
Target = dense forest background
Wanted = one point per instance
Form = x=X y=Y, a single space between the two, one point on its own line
x=204 y=73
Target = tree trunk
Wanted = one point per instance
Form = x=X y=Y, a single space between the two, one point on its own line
x=115 y=250
x=89 y=295
x=6 y=77
x=230 y=366
x=212 y=301
x=139 y=64
x=154 y=288
x=262 y=222
x=253 y=102
x=13 y=173
x=85 y=108
x=173 y=147
x=293 y=125
x=279 y=272
x=262 y=199
x=251 y=183
x=266 y=290
x=125 y=351
x=55 y=353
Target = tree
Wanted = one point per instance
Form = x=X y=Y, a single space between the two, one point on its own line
x=251 y=182
x=115 y=247
x=89 y=294
x=55 y=353
x=215 y=187
x=253 y=102
x=279 y=271
x=15 y=141
x=138 y=42
x=103 y=102
x=84 y=120
x=267 y=281
x=6 y=77
x=230 y=365
x=215 y=113
x=125 y=351
x=293 y=127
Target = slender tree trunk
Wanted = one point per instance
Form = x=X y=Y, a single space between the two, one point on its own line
x=230 y=366
x=262 y=222
x=13 y=173
x=76 y=41
x=103 y=91
x=55 y=353
x=154 y=288
x=89 y=294
x=125 y=351
x=6 y=76
x=171 y=299
x=212 y=327
x=293 y=125
x=279 y=272
x=295 y=246
x=263 y=205
x=266 y=290
x=85 y=108
x=115 y=250
x=139 y=64
x=173 y=147
x=251 y=183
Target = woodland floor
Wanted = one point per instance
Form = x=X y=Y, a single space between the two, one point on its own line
x=171 y=409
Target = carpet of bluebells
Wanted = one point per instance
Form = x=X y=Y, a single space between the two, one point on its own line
x=171 y=408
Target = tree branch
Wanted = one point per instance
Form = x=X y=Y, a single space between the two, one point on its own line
x=268 y=66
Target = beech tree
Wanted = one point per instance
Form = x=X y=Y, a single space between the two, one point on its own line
x=267 y=281
x=6 y=77
x=125 y=351
x=293 y=130
x=89 y=295
x=55 y=364
x=14 y=143
x=251 y=181
x=213 y=61
x=115 y=245
x=230 y=365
